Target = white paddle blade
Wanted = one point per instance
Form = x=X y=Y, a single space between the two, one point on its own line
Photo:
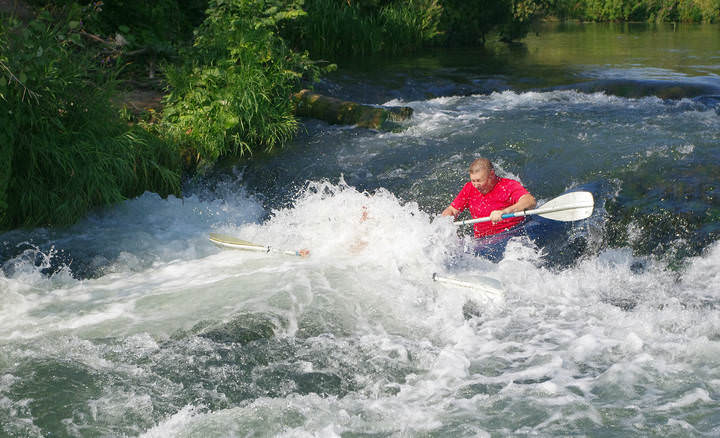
x=230 y=240
x=572 y=206
x=225 y=241
x=488 y=286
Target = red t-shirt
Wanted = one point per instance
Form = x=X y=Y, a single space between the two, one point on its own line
x=505 y=193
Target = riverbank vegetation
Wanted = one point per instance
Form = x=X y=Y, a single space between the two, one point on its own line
x=231 y=93
x=225 y=70
x=65 y=148
x=686 y=11
x=333 y=28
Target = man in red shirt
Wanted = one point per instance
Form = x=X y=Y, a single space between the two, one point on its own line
x=488 y=195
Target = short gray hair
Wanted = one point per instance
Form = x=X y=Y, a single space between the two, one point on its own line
x=481 y=164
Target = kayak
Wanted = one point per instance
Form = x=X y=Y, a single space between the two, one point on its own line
x=542 y=232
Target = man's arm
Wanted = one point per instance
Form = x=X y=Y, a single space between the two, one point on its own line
x=461 y=200
x=525 y=202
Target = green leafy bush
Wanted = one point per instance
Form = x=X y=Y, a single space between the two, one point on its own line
x=707 y=11
x=232 y=96
x=65 y=149
x=608 y=10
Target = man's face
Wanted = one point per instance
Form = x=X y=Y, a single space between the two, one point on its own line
x=483 y=180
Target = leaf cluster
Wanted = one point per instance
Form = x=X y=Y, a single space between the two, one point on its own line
x=232 y=95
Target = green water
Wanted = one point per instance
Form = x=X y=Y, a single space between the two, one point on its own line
x=643 y=59
x=683 y=50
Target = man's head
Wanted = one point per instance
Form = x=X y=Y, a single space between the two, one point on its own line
x=482 y=175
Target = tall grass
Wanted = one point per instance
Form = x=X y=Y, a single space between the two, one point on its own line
x=336 y=28
x=65 y=150
x=232 y=95
x=410 y=25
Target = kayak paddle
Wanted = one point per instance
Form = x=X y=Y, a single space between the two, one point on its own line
x=485 y=284
x=225 y=241
x=571 y=206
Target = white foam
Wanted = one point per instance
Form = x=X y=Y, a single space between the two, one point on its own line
x=555 y=335
x=702 y=277
x=175 y=425
x=697 y=395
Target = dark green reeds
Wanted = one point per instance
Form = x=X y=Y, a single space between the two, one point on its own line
x=339 y=28
x=65 y=149
x=232 y=95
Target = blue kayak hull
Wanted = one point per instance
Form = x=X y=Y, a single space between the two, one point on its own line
x=544 y=233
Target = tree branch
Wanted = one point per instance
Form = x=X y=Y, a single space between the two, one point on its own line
x=26 y=90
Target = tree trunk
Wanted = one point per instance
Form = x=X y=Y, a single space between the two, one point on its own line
x=336 y=111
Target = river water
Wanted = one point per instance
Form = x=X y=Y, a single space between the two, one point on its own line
x=131 y=323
